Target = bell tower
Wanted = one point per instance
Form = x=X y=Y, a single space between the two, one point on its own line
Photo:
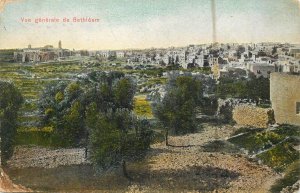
x=59 y=44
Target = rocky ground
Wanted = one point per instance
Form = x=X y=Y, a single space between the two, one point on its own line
x=165 y=169
x=193 y=169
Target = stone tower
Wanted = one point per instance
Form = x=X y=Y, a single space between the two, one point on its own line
x=59 y=44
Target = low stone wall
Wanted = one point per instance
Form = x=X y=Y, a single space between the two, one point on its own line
x=226 y=107
x=46 y=158
x=253 y=116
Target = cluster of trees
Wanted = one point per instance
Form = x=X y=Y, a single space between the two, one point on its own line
x=97 y=112
x=184 y=99
x=10 y=103
x=257 y=89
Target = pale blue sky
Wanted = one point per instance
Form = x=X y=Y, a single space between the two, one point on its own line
x=148 y=23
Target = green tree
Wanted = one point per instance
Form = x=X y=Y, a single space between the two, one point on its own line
x=73 y=126
x=10 y=102
x=259 y=89
x=124 y=91
x=60 y=107
x=116 y=137
x=177 y=111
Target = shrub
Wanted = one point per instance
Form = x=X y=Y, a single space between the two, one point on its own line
x=292 y=175
x=280 y=157
x=10 y=102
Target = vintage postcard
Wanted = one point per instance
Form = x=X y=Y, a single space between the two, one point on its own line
x=150 y=96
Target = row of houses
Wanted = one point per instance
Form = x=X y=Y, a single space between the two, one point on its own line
x=260 y=59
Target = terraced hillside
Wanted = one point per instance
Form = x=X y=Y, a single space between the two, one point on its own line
x=31 y=79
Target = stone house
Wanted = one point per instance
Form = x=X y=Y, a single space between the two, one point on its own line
x=285 y=98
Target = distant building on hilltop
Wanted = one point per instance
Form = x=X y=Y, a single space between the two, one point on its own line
x=42 y=54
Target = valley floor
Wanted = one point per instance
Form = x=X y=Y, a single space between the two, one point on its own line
x=165 y=169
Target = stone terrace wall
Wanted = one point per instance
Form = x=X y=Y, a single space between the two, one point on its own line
x=253 y=116
x=226 y=107
x=46 y=158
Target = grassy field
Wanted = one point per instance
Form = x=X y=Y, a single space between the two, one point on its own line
x=142 y=107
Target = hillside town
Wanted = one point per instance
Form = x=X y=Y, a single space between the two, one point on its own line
x=260 y=58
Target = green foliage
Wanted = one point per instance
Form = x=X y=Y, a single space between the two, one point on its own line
x=209 y=105
x=255 y=88
x=259 y=88
x=153 y=72
x=40 y=137
x=177 y=111
x=280 y=157
x=61 y=108
x=142 y=107
x=124 y=92
x=104 y=139
x=255 y=141
x=277 y=144
x=288 y=130
x=59 y=97
x=230 y=88
x=97 y=112
x=115 y=136
x=10 y=102
x=73 y=124
x=292 y=175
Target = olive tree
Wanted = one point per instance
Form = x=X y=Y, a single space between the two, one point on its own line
x=10 y=102
x=177 y=110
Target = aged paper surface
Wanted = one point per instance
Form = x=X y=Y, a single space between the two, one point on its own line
x=149 y=95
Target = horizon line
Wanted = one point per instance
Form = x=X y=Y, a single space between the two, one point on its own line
x=153 y=47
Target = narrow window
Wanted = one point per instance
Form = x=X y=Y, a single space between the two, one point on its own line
x=298 y=108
